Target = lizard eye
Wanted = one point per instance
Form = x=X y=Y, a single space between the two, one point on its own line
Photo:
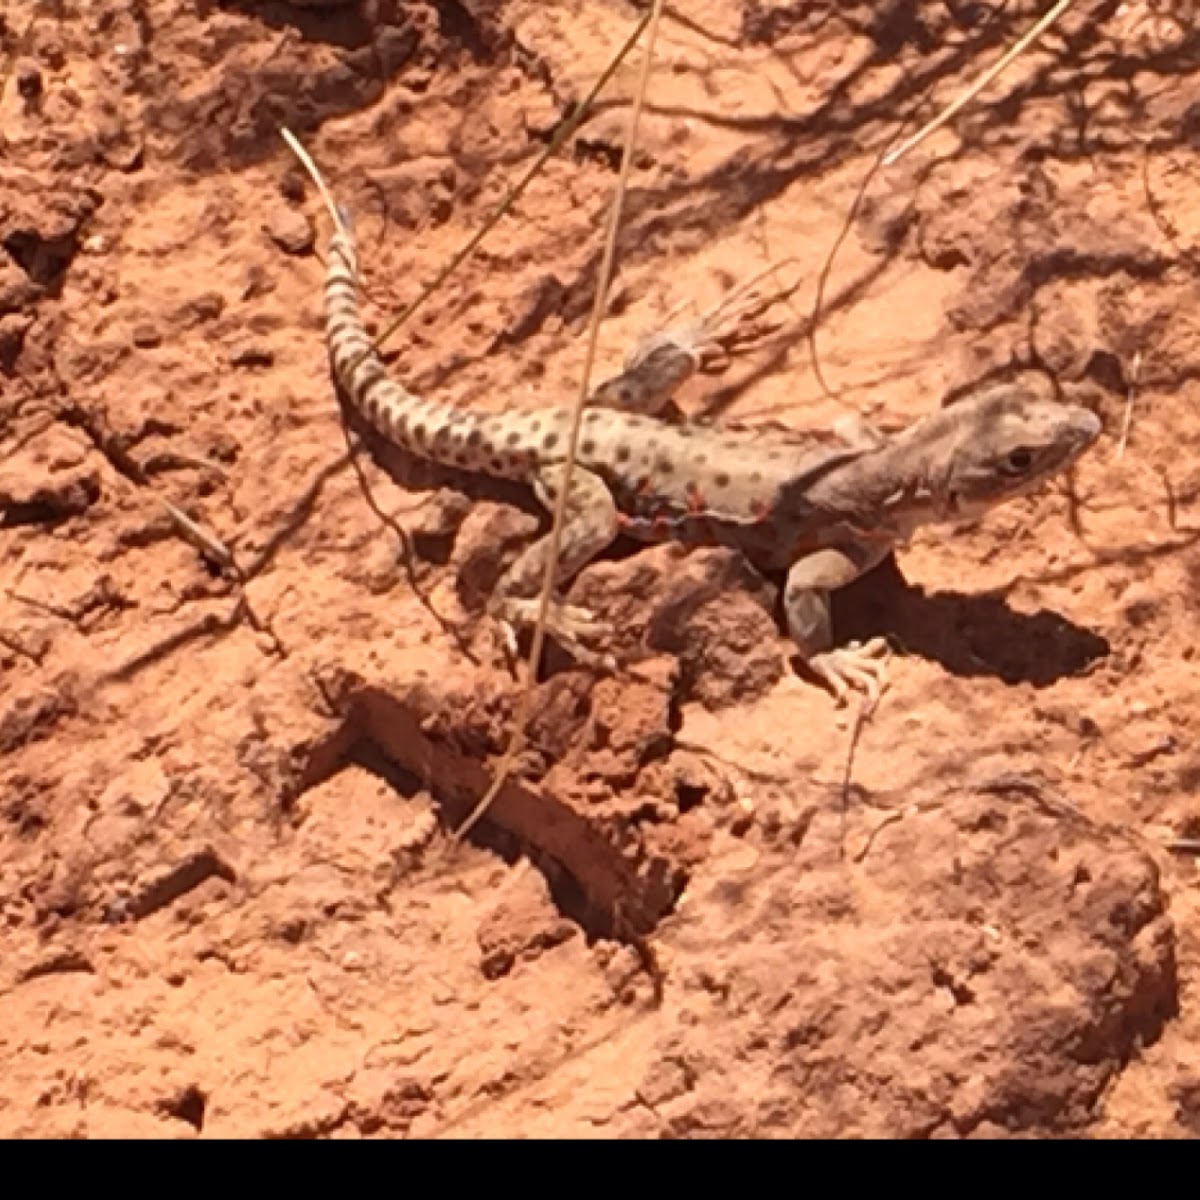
x=1019 y=461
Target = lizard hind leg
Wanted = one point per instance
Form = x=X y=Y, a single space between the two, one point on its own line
x=590 y=526
x=661 y=363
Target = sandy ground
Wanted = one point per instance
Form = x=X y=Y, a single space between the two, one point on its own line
x=229 y=901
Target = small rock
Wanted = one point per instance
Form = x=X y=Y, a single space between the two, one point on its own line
x=290 y=230
x=146 y=336
x=291 y=185
x=1066 y=330
x=252 y=356
x=256 y=282
x=17 y=290
x=29 y=84
x=666 y=1080
x=53 y=53
x=13 y=329
x=125 y=154
x=542 y=299
x=394 y=47
x=433 y=536
x=30 y=493
x=487 y=537
x=208 y=306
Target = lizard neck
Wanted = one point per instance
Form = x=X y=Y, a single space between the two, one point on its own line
x=895 y=488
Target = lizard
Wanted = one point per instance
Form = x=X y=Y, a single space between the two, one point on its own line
x=822 y=507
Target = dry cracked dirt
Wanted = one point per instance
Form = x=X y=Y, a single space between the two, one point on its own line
x=229 y=762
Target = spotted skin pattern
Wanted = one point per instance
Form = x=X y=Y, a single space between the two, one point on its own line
x=824 y=507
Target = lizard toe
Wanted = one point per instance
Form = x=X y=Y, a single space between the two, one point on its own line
x=569 y=625
x=857 y=667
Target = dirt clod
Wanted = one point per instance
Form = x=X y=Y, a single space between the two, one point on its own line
x=290 y=230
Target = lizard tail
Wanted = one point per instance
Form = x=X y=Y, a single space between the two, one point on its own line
x=422 y=427
x=441 y=432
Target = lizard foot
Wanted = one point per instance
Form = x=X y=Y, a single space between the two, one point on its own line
x=711 y=339
x=856 y=666
x=569 y=625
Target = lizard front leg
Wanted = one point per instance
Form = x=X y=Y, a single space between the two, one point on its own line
x=810 y=581
x=590 y=526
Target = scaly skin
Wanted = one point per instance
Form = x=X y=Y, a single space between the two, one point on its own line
x=824 y=507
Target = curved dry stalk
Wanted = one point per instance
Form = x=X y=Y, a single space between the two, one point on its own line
x=521 y=720
x=1018 y=47
x=561 y=134
x=335 y=213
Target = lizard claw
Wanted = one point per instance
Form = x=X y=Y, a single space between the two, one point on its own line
x=857 y=666
x=568 y=624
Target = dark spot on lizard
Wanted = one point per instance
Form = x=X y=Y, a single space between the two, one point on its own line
x=721 y=480
x=587 y=447
x=550 y=441
x=624 y=453
x=475 y=437
x=665 y=466
x=513 y=438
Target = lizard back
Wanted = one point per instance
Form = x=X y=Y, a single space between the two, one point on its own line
x=667 y=479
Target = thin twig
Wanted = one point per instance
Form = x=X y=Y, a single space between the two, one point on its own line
x=297 y=513
x=1135 y=370
x=1019 y=47
x=220 y=555
x=564 y=131
x=53 y=610
x=202 y=539
x=863 y=714
x=525 y=705
x=18 y=647
x=407 y=553
x=814 y=319
x=1183 y=845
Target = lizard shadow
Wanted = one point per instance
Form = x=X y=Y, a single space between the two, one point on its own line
x=343 y=26
x=968 y=635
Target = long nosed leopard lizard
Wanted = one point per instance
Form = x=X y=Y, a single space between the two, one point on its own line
x=823 y=508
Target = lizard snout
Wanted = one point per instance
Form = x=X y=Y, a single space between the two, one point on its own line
x=1084 y=426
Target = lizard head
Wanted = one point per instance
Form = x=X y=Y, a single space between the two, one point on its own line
x=1005 y=442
